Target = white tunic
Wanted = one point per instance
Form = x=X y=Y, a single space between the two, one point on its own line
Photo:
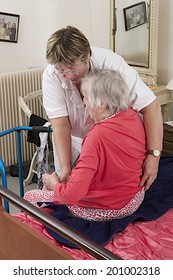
x=61 y=97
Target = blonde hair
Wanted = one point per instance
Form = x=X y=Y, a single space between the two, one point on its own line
x=67 y=46
x=106 y=86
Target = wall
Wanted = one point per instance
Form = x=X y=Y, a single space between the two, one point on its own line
x=165 y=53
x=40 y=18
x=91 y=16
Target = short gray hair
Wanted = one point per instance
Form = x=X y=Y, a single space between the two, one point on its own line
x=106 y=86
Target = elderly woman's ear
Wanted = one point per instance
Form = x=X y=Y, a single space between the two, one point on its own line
x=103 y=107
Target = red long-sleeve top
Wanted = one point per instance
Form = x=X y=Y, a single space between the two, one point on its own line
x=108 y=172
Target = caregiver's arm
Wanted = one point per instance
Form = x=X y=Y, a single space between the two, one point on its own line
x=62 y=141
x=152 y=119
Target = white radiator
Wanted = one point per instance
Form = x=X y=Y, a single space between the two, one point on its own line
x=13 y=85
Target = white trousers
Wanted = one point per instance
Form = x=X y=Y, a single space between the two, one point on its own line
x=76 y=150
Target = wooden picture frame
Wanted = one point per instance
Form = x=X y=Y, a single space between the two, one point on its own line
x=135 y=15
x=9 y=27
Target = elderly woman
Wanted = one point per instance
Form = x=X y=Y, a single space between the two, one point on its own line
x=105 y=182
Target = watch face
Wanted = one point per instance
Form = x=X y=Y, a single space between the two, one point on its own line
x=156 y=153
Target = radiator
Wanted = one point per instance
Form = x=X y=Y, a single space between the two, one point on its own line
x=13 y=85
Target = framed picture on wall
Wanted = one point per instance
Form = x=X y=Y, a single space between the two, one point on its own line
x=9 y=27
x=135 y=15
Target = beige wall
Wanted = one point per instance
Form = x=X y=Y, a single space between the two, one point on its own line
x=165 y=55
x=91 y=16
x=40 y=18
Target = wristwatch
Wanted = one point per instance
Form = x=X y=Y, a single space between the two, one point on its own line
x=155 y=152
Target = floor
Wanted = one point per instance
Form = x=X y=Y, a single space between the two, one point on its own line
x=13 y=185
x=13 y=182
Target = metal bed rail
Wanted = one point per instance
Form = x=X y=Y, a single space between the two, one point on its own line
x=59 y=227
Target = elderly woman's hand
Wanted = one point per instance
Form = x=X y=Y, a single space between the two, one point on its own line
x=150 y=170
x=50 y=180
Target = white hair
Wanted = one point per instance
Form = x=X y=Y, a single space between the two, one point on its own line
x=106 y=86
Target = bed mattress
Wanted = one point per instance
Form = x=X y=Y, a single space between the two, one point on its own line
x=150 y=240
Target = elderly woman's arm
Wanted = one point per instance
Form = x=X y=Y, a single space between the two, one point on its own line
x=153 y=123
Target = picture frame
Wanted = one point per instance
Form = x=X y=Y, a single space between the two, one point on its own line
x=9 y=27
x=135 y=15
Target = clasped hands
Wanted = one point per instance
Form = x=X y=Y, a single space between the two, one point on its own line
x=50 y=180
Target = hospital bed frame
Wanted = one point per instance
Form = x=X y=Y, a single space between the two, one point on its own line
x=17 y=240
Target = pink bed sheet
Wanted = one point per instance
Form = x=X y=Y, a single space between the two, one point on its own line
x=151 y=240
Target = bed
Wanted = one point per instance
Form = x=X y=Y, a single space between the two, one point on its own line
x=145 y=235
x=23 y=236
